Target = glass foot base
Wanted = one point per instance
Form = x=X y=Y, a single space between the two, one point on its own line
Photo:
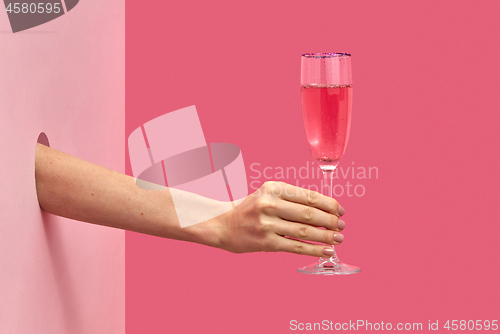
x=329 y=268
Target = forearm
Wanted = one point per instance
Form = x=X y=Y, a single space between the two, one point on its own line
x=70 y=187
x=73 y=188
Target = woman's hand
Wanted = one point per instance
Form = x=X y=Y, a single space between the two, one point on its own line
x=264 y=221
x=267 y=219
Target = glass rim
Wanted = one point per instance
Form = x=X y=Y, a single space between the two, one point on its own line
x=326 y=55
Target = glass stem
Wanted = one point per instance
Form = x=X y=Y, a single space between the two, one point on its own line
x=328 y=182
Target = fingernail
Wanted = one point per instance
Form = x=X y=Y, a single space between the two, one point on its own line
x=341 y=224
x=328 y=251
x=341 y=210
x=338 y=237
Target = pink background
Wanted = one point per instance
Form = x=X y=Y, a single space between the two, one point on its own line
x=426 y=84
x=65 y=78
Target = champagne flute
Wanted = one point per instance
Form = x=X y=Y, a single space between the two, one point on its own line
x=326 y=94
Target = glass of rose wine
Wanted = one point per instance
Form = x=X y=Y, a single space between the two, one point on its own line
x=326 y=94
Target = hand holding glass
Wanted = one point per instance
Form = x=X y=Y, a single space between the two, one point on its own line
x=326 y=94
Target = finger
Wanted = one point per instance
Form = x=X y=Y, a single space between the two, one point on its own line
x=310 y=198
x=302 y=248
x=307 y=215
x=308 y=232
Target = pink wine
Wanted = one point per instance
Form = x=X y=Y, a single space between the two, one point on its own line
x=327 y=119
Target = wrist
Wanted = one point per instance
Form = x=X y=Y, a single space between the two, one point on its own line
x=210 y=233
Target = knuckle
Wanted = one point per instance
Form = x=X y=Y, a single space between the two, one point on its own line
x=268 y=184
x=307 y=214
x=276 y=188
x=264 y=226
x=333 y=205
x=265 y=203
x=329 y=238
x=271 y=185
x=334 y=221
x=303 y=231
x=312 y=198
x=318 y=251
x=299 y=249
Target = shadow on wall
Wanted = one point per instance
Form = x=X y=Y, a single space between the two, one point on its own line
x=43 y=139
x=65 y=286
